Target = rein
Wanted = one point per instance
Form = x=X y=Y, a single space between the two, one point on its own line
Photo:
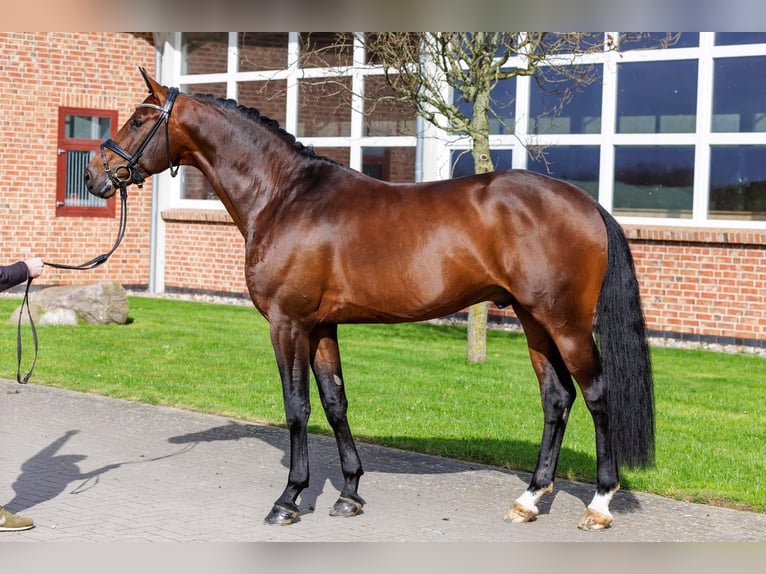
x=91 y=264
x=122 y=176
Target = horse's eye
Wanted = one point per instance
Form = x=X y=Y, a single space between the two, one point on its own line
x=136 y=123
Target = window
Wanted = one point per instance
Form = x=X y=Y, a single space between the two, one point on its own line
x=738 y=182
x=566 y=104
x=80 y=133
x=503 y=104
x=738 y=103
x=389 y=163
x=654 y=181
x=579 y=165
x=657 y=97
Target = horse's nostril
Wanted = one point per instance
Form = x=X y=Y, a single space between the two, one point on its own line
x=88 y=182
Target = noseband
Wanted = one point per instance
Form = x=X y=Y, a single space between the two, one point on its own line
x=124 y=175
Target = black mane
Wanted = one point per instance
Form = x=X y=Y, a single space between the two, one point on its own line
x=269 y=123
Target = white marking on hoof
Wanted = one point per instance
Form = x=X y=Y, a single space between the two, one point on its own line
x=598 y=517
x=525 y=509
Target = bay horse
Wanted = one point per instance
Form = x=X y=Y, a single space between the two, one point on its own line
x=327 y=245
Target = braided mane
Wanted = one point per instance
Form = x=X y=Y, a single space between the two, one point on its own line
x=267 y=122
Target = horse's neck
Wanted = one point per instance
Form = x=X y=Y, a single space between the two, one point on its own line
x=243 y=169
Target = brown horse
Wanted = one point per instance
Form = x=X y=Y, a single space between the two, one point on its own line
x=327 y=245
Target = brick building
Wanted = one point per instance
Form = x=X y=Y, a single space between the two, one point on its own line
x=671 y=141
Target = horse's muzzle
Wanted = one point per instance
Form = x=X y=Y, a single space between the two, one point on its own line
x=104 y=190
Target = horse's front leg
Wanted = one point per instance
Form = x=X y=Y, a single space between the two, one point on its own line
x=291 y=347
x=325 y=362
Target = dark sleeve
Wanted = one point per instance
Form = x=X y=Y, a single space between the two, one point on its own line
x=14 y=274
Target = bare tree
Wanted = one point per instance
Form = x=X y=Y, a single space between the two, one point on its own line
x=449 y=78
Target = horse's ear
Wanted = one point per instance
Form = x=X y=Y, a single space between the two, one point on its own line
x=155 y=88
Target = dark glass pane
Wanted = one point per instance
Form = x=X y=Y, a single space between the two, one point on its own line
x=738 y=182
x=655 y=181
x=729 y=38
x=194 y=185
x=266 y=97
x=324 y=108
x=503 y=104
x=739 y=85
x=320 y=49
x=384 y=114
x=217 y=89
x=87 y=127
x=579 y=165
x=657 y=97
x=204 y=52
x=658 y=40
x=562 y=102
x=262 y=51
x=395 y=164
x=462 y=161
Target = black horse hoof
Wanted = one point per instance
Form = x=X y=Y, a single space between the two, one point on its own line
x=282 y=516
x=346 y=507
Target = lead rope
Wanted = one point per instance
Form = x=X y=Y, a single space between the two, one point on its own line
x=92 y=264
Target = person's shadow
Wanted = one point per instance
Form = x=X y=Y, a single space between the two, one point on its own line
x=48 y=474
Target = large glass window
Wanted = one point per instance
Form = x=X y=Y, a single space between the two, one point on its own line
x=385 y=114
x=738 y=182
x=658 y=40
x=657 y=97
x=204 y=52
x=324 y=108
x=566 y=103
x=503 y=105
x=579 y=165
x=654 y=181
x=267 y=97
x=739 y=86
x=728 y=38
x=395 y=164
x=262 y=51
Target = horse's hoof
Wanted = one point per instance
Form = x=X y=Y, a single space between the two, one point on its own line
x=593 y=520
x=282 y=516
x=346 y=507
x=518 y=514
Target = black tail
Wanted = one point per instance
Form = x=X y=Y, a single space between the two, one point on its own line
x=626 y=366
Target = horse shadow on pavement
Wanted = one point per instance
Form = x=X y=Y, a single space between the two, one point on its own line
x=324 y=463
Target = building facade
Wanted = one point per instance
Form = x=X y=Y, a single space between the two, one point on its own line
x=670 y=140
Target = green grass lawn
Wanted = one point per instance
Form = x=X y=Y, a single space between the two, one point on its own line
x=409 y=386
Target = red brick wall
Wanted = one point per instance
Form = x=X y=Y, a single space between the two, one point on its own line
x=40 y=72
x=701 y=281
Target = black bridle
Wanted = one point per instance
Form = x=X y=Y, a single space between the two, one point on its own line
x=131 y=175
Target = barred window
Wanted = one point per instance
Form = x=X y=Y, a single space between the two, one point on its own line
x=80 y=133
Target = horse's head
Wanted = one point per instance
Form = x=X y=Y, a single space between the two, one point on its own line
x=140 y=147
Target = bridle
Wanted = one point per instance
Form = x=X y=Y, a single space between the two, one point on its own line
x=121 y=177
x=124 y=175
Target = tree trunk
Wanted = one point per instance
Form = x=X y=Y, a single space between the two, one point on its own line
x=476 y=351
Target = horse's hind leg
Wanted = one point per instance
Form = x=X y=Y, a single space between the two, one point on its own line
x=557 y=393
x=325 y=362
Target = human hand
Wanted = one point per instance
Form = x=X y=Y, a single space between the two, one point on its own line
x=35 y=266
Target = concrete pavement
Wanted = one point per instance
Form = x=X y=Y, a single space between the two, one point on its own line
x=89 y=468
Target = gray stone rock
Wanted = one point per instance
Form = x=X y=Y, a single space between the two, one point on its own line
x=59 y=317
x=100 y=303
